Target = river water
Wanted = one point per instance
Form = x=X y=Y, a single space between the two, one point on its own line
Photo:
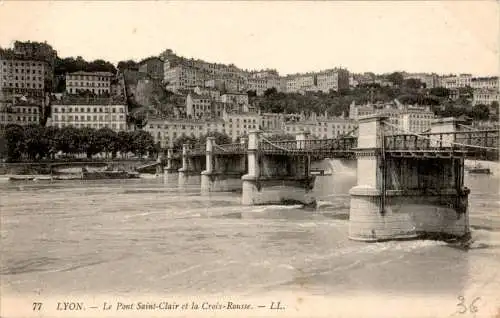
x=132 y=238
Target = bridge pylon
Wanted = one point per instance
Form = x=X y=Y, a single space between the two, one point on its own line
x=280 y=177
x=407 y=189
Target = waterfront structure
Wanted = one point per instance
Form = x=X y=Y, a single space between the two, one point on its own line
x=485 y=96
x=410 y=186
x=98 y=83
x=89 y=112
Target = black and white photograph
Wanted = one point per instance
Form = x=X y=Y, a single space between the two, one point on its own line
x=249 y=159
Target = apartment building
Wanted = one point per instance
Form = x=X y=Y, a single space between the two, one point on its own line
x=406 y=117
x=198 y=106
x=20 y=114
x=270 y=121
x=98 y=83
x=485 y=96
x=334 y=79
x=152 y=66
x=183 y=77
x=454 y=82
x=320 y=127
x=93 y=113
x=25 y=77
x=166 y=131
x=238 y=124
x=485 y=83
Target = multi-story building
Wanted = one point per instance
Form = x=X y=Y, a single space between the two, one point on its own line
x=25 y=77
x=238 y=124
x=84 y=112
x=270 y=121
x=183 y=77
x=98 y=83
x=430 y=80
x=485 y=96
x=240 y=100
x=152 y=66
x=485 y=83
x=334 y=79
x=406 y=117
x=321 y=127
x=166 y=131
x=21 y=113
x=37 y=51
x=259 y=85
x=198 y=106
x=453 y=82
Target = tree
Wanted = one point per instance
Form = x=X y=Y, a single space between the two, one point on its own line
x=480 y=112
x=270 y=91
x=183 y=139
x=107 y=140
x=67 y=140
x=14 y=135
x=278 y=137
x=220 y=138
x=142 y=142
x=89 y=142
x=440 y=92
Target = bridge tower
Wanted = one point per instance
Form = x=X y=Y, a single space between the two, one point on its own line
x=276 y=177
x=406 y=194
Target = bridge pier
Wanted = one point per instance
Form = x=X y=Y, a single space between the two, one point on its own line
x=274 y=178
x=171 y=168
x=404 y=196
x=221 y=166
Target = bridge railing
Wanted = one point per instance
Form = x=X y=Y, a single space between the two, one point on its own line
x=197 y=150
x=309 y=146
x=236 y=148
x=469 y=140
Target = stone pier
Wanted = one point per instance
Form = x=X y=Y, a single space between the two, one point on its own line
x=274 y=178
x=172 y=164
x=222 y=169
x=404 y=197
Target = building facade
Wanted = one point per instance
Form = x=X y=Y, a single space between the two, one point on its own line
x=98 y=83
x=97 y=113
x=19 y=114
x=485 y=96
x=22 y=77
x=152 y=66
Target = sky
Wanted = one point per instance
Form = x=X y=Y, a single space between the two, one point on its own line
x=380 y=37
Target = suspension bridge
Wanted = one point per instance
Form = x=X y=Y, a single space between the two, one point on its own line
x=408 y=184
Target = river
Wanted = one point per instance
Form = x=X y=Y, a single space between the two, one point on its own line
x=130 y=238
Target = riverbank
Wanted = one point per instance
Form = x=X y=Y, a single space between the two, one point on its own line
x=62 y=167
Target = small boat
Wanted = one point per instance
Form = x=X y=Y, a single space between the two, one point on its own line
x=21 y=178
x=478 y=169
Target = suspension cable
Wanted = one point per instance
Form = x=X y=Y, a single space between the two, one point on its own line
x=438 y=140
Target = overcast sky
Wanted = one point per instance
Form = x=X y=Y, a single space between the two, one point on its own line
x=442 y=37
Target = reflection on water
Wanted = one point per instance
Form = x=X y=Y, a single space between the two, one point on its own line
x=160 y=235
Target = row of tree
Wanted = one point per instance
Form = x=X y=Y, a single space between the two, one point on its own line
x=71 y=64
x=38 y=143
